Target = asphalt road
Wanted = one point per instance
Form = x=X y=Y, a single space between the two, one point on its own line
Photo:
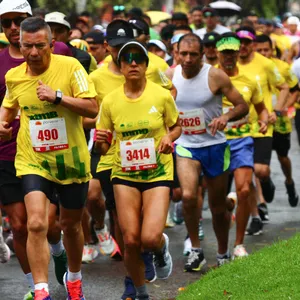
x=103 y=279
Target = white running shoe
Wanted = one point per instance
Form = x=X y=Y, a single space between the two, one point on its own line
x=169 y=221
x=106 y=243
x=89 y=254
x=239 y=251
x=233 y=197
x=187 y=246
x=4 y=253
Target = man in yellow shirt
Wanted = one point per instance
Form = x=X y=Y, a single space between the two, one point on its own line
x=52 y=92
x=283 y=125
x=265 y=73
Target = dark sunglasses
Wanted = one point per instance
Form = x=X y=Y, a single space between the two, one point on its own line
x=139 y=58
x=6 y=23
x=119 y=8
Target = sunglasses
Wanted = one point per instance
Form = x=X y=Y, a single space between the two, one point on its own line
x=139 y=58
x=6 y=23
x=119 y=8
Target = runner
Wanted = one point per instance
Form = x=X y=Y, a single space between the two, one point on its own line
x=203 y=146
x=57 y=157
x=238 y=133
x=141 y=130
x=265 y=73
x=209 y=48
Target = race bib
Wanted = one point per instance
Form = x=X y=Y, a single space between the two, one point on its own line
x=138 y=155
x=235 y=124
x=192 y=121
x=48 y=135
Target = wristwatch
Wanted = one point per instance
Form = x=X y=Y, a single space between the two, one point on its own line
x=278 y=113
x=58 y=98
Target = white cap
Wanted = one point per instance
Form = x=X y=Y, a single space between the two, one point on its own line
x=57 y=17
x=19 y=6
x=98 y=28
x=293 y=21
x=159 y=44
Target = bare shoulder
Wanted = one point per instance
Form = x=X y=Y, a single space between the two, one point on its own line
x=218 y=79
x=170 y=73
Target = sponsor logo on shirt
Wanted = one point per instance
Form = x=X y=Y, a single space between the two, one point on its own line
x=135 y=132
x=48 y=115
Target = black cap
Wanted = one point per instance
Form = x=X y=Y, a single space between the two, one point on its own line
x=94 y=37
x=118 y=33
x=135 y=12
x=179 y=16
x=209 y=12
x=210 y=38
x=140 y=25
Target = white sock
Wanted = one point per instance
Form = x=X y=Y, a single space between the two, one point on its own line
x=74 y=276
x=30 y=282
x=222 y=255
x=57 y=249
x=41 y=286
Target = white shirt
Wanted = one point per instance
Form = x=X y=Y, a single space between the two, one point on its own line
x=220 y=29
x=296 y=68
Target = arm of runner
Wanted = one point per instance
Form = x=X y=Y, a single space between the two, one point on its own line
x=263 y=116
x=282 y=97
x=166 y=144
x=89 y=123
x=7 y=115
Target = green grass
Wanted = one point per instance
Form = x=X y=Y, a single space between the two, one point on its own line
x=271 y=273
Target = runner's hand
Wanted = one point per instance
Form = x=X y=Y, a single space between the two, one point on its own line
x=45 y=93
x=272 y=118
x=103 y=136
x=5 y=131
x=218 y=124
x=263 y=127
x=166 y=145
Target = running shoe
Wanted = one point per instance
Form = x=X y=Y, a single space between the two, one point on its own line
x=195 y=261
x=292 y=193
x=268 y=190
x=169 y=222
x=263 y=212
x=149 y=266
x=6 y=224
x=255 y=227
x=74 y=289
x=41 y=295
x=223 y=260
x=60 y=266
x=239 y=251
x=116 y=255
x=201 y=231
x=89 y=254
x=178 y=213
x=4 y=253
x=231 y=202
x=29 y=296
x=187 y=246
x=130 y=292
x=9 y=241
x=163 y=261
x=106 y=242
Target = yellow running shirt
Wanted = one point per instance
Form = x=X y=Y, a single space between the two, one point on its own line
x=249 y=90
x=266 y=74
x=51 y=140
x=284 y=124
x=139 y=129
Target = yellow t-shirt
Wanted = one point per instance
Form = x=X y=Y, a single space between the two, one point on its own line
x=283 y=42
x=143 y=118
x=266 y=74
x=249 y=90
x=68 y=160
x=284 y=124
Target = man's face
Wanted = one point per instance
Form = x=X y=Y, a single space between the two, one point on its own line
x=136 y=69
x=60 y=33
x=98 y=51
x=268 y=29
x=228 y=59
x=211 y=22
x=210 y=51
x=246 y=48
x=197 y=18
x=178 y=23
x=292 y=28
x=190 y=56
x=264 y=49
x=254 y=20
x=157 y=51
x=83 y=27
x=36 y=49
x=11 y=26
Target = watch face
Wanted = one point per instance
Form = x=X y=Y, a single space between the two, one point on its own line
x=59 y=94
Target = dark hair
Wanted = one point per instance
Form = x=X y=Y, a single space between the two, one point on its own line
x=247 y=22
x=179 y=16
x=191 y=37
x=85 y=14
x=252 y=13
x=228 y=34
x=264 y=39
x=196 y=8
x=184 y=27
x=35 y=24
x=167 y=32
x=246 y=28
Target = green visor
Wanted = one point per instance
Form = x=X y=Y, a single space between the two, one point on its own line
x=228 y=43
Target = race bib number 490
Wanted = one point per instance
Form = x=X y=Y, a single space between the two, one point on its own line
x=138 y=155
x=48 y=135
x=192 y=121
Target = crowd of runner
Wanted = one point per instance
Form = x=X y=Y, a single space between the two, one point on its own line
x=123 y=117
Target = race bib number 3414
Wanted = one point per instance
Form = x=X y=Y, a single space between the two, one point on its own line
x=48 y=135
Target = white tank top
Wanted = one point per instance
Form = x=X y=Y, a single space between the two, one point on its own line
x=197 y=106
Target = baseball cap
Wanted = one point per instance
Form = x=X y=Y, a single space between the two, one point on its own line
x=94 y=37
x=159 y=44
x=246 y=32
x=175 y=39
x=210 y=38
x=140 y=26
x=133 y=44
x=19 y=6
x=209 y=12
x=3 y=39
x=119 y=32
x=58 y=18
x=293 y=21
x=228 y=41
